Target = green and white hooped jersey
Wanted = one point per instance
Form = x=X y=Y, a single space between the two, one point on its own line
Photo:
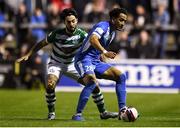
x=64 y=45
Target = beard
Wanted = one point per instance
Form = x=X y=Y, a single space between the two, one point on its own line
x=71 y=29
x=120 y=28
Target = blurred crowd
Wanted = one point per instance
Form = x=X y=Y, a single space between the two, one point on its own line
x=152 y=30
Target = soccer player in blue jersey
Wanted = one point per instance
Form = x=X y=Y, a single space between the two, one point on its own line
x=89 y=66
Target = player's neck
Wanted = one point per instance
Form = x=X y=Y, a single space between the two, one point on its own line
x=112 y=27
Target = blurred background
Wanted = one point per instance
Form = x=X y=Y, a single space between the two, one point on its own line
x=152 y=33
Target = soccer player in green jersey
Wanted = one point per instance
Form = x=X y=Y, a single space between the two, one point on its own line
x=65 y=44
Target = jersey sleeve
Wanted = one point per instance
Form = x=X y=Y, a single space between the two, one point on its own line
x=50 y=37
x=100 y=29
x=83 y=33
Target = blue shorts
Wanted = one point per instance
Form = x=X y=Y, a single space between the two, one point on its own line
x=91 y=66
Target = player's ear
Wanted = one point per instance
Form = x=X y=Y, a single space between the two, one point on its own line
x=112 y=20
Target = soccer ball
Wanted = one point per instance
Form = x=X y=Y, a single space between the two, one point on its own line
x=130 y=115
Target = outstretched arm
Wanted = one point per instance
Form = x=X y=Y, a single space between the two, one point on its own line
x=34 y=49
x=94 y=40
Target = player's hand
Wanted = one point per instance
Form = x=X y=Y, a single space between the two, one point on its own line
x=110 y=54
x=23 y=58
x=103 y=58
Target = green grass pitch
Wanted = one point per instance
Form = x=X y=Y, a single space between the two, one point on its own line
x=22 y=108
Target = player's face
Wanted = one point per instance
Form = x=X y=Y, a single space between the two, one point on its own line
x=120 y=21
x=71 y=23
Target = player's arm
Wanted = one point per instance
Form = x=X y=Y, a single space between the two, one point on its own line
x=94 y=40
x=33 y=50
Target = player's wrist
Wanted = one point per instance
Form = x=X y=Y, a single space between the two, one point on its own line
x=104 y=51
x=30 y=53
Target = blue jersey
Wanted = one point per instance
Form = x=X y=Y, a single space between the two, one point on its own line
x=102 y=30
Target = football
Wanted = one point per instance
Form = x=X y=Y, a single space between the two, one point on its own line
x=130 y=115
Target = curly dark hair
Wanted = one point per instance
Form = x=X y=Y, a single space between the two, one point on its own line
x=67 y=12
x=116 y=11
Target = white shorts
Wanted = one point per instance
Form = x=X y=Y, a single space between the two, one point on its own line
x=59 y=69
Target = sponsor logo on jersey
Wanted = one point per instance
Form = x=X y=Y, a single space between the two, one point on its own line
x=62 y=37
x=76 y=37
